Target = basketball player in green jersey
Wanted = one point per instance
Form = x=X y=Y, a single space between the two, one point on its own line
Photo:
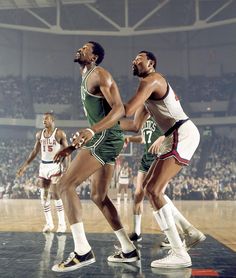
x=100 y=144
x=149 y=133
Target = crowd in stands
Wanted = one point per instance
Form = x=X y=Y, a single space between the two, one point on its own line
x=216 y=182
x=210 y=176
x=12 y=154
x=18 y=96
x=13 y=99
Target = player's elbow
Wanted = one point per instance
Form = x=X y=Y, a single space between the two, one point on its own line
x=128 y=111
x=136 y=128
x=121 y=111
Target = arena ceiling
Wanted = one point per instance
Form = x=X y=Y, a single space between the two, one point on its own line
x=115 y=17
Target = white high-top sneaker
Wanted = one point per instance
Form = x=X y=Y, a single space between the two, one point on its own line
x=193 y=236
x=61 y=228
x=48 y=228
x=174 y=259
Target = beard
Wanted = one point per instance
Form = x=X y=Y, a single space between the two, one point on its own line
x=77 y=60
x=135 y=71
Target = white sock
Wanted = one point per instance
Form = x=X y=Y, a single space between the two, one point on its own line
x=48 y=242
x=166 y=222
x=45 y=201
x=181 y=222
x=80 y=241
x=61 y=247
x=137 y=223
x=48 y=213
x=125 y=197
x=60 y=212
x=118 y=197
x=126 y=244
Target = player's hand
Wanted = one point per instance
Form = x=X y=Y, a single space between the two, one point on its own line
x=21 y=171
x=61 y=155
x=154 y=149
x=81 y=137
x=126 y=142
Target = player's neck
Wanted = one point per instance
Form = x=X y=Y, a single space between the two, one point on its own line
x=146 y=73
x=87 y=68
x=49 y=130
x=149 y=72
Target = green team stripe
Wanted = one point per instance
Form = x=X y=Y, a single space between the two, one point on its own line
x=100 y=139
x=87 y=92
x=97 y=157
x=95 y=145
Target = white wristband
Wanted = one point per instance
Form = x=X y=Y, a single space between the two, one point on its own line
x=89 y=129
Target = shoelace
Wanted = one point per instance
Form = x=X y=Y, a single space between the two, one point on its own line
x=119 y=252
x=117 y=247
x=70 y=258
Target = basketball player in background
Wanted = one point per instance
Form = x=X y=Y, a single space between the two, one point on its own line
x=48 y=142
x=154 y=96
x=124 y=179
x=149 y=133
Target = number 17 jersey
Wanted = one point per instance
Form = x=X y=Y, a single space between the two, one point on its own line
x=150 y=133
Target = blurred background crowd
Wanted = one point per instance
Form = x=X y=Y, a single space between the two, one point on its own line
x=195 y=45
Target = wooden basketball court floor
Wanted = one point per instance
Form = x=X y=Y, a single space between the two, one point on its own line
x=26 y=252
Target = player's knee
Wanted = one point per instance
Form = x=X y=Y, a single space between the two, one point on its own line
x=45 y=201
x=55 y=193
x=97 y=198
x=139 y=194
x=153 y=192
x=63 y=189
x=66 y=184
x=55 y=196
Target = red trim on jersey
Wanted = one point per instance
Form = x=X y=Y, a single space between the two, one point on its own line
x=173 y=152
x=42 y=178
x=56 y=175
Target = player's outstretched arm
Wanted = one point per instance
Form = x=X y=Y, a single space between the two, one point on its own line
x=31 y=156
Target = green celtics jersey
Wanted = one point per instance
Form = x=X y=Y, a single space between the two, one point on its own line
x=150 y=133
x=95 y=107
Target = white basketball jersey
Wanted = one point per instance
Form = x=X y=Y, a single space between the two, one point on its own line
x=167 y=110
x=49 y=146
x=124 y=173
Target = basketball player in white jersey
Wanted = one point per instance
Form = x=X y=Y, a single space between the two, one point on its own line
x=155 y=97
x=49 y=141
x=125 y=175
x=150 y=132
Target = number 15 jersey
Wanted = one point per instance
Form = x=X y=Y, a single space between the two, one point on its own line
x=49 y=146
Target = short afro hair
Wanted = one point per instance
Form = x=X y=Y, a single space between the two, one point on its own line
x=150 y=56
x=99 y=51
x=51 y=114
